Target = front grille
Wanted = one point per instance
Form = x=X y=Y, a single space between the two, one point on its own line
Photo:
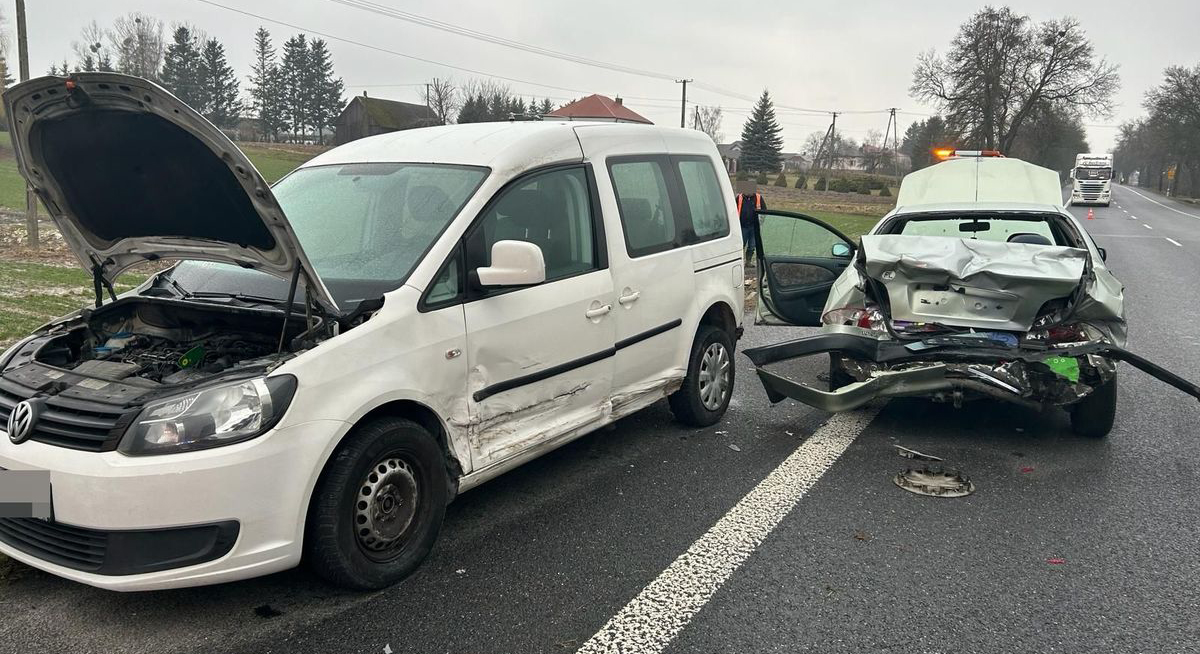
x=67 y=422
x=70 y=547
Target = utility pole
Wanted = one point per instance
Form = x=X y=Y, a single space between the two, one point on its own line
x=696 y=118
x=893 y=130
x=683 y=102
x=31 y=218
x=833 y=141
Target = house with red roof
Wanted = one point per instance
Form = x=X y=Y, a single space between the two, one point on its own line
x=601 y=108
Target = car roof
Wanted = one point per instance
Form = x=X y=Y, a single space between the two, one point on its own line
x=513 y=146
x=977 y=180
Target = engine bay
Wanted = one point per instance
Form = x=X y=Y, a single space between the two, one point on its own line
x=146 y=342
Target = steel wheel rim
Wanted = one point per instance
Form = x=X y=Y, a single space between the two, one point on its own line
x=386 y=506
x=715 y=371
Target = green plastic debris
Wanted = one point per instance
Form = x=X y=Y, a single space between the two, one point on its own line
x=1065 y=367
x=196 y=355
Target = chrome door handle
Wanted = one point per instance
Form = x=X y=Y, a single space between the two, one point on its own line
x=630 y=298
x=598 y=311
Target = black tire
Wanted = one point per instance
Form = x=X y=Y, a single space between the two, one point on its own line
x=689 y=402
x=383 y=464
x=837 y=376
x=1093 y=416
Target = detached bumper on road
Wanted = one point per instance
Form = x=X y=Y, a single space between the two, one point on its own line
x=926 y=374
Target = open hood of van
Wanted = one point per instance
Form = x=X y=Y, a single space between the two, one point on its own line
x=130 y=173
x=969 y=282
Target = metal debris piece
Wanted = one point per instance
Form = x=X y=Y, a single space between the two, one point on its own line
x=735 y=448
x=935 y=483
x=913 y=454
x=1056 y=561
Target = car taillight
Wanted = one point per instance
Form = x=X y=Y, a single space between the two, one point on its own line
x=1066 y=334
x=865 y=317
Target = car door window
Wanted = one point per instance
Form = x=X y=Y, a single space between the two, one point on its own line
x=799 y=259
x=644 y=203
x=706 y=205
x=552 y=210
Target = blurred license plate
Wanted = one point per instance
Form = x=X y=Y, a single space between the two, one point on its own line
x=25 y=494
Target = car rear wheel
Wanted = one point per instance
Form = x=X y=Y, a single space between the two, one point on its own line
x=1093 y=416
x=378 y=508
x=706 y=390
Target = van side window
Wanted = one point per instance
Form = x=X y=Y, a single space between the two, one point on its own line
x=447 y=285
x=552 y=210
x=705 y=203
x=647 y=217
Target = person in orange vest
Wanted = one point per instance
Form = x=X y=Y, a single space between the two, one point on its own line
x=749 y=202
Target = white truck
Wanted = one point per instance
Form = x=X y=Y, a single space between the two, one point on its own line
x=1091 y=179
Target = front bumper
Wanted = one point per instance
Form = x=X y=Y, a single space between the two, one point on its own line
x=240 y=509
x=924 y=372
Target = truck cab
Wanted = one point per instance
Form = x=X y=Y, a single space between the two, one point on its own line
x=1091 y=179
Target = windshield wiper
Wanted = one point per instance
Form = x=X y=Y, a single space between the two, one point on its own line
x=241 y=297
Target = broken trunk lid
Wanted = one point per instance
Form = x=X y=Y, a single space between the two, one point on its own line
x=129 y=173
x=971 y=283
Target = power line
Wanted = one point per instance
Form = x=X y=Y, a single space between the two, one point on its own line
x=397 y=14
x=376 y=48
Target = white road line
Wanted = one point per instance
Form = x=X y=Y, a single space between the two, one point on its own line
x=1171 y=240
x=1125 y=210
x=1133 y=216
x=1189 y=215
x=1147 y=226
x=650 y=621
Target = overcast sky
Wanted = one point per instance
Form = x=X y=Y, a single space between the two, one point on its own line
x=846 y=56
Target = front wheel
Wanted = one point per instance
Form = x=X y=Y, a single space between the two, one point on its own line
x=706 y=390
x=1093 y=416
x=378 y=507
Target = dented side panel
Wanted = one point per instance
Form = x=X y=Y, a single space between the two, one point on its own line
x=538 y=366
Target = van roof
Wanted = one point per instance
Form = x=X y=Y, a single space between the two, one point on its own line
x=515 y=146
x=976 y=180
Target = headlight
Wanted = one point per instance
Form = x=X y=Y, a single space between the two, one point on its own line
x=210 y=417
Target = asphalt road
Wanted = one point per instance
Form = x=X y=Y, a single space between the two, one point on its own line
x=796 y=540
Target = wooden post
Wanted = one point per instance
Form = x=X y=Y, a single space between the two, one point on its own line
x=31 y=217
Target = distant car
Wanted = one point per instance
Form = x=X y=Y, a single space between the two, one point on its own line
x=978 y=285
x=399 y=320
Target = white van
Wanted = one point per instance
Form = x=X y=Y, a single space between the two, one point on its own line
x=397 y=321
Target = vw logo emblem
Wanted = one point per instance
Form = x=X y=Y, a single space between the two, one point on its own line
x=20 y=422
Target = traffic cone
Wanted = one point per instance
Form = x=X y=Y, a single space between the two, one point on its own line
x=1091 y=215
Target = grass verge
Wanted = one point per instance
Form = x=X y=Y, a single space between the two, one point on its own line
x=33 y=293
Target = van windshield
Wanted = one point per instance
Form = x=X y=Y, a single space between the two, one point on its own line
x=363 y=226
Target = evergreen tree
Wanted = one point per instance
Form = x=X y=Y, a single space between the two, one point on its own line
x=324 y=90
x=474 y=110
x=219 y=86
x=292 y=75
x=6 y=78
x=546 y=107
x=265 y=88
x=761 y=140
x=181 y=67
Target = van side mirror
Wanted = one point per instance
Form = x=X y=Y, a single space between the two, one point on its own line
x=841 y=251
x=514 y=263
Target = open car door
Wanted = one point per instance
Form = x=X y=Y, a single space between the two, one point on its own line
x=799 y=257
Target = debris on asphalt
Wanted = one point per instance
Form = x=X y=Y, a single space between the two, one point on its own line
x=1027 y=469
x=733 y=447
x=861 y=535
x=267 y=611
x=913 y=454
x=460 y=571
x=722 y=433
x=935 y=483
x=1056 y=561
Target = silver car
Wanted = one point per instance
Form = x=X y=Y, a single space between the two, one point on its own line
x=978 y=285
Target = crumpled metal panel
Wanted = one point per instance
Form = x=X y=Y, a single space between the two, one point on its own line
x=969 y=282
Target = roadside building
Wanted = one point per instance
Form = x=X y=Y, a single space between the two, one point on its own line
x=599 y=108
x=364 y=116
x=730 y=153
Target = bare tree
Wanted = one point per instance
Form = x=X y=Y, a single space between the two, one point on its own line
x=441 y=96
x=708 y=120
x=1001 y=68
x=138 y=42
x=91 y=51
